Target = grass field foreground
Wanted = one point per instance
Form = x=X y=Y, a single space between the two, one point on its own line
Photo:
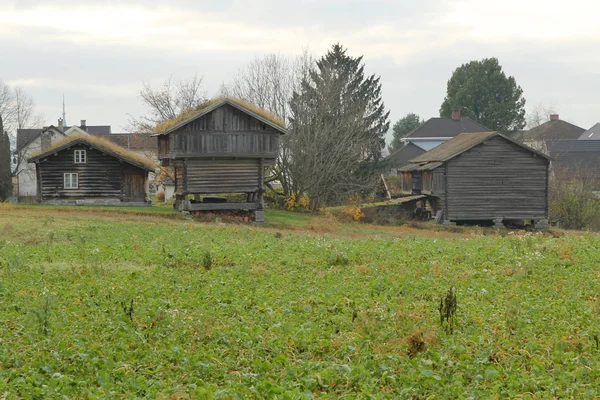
x=133 y=306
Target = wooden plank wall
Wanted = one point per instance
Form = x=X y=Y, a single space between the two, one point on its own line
x=222 y=176
x=133 y=183
x=224 y=132
x=497 y=179
x=426 y=182
x=99 y=177
x=439 y=183
x=406 y=182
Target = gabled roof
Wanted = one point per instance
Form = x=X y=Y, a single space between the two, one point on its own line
x=94 y=129
x=100 y=145
x=446 y=127
x=131 y=141
x=26 y=136
x=591 y=134
x=460 y=144
x=403 y=155
x=265 y=117
x=552 y=130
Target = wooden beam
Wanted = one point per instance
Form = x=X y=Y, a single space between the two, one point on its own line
x=223 y=206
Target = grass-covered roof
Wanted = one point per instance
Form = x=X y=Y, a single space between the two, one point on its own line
x=206 y=107
x=99 y=144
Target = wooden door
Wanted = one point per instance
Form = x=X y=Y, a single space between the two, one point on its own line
x=134 y=187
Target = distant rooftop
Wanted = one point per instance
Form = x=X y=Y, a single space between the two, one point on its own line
x=554 y=129
x=447 y=127
x=591 y=134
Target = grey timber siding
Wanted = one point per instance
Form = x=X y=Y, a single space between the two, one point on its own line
x=223 y=176
x=225 y=132
x=100 y=177
x=439 y=182
x=496 y=179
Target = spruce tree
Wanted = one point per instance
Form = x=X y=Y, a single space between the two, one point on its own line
x=338 y=128
x=5 y=172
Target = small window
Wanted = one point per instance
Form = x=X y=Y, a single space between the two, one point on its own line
x=80 y=157
x=72 y=180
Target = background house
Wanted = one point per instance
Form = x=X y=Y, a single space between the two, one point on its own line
x=31 y=141
x=552 y=130
x=436 y=131
x=83 y=169
x=482 y=177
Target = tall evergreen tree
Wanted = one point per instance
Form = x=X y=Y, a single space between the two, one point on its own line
x=338 y=126
x=5 y=173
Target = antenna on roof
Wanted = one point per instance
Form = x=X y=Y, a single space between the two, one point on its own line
x=64 y=117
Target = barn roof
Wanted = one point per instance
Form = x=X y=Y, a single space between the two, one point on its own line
x=456 y=146
x=264 y=116
x=100 y=145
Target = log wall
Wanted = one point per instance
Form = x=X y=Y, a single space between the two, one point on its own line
x=101 y=176
x=497 y=179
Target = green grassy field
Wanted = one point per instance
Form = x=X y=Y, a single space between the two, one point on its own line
x=117 y=304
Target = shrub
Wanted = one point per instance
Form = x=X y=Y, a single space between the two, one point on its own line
x=572 y=202
x=160 y=196
x=353 y=213
x=297 y=203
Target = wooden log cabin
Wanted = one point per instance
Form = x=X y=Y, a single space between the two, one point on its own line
x=83 y=169
x=481 y=177
x=223 y=147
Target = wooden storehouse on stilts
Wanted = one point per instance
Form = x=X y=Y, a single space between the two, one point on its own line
x=222 y=147
x=481 y=177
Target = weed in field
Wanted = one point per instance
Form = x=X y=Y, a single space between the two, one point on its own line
x=207 y=260
x=127 y=307
x=337 y=259
x=447 y=309
x=51 y=236
x=42 y=315
x=416 y=344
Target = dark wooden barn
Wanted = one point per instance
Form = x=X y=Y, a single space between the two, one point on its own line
x=481 y=177
x=224 y=147
x=82 y=169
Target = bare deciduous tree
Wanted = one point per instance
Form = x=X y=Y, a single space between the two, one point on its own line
x=24 y=114
x=173 y=99
x=270 y=81
x=539 y=114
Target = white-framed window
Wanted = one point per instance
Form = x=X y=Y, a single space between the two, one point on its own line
x=80 y=157
x=71 y=180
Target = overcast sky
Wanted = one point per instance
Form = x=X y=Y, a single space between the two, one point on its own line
x=99 y=52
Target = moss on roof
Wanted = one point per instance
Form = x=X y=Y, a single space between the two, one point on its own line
x=166 y=125
x=100 y=144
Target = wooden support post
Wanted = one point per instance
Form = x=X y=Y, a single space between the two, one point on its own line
x=261 y=183
x=259 y=214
